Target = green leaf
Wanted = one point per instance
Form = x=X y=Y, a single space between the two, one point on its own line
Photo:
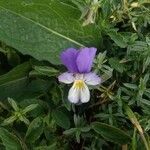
x=144 y=101
x=136 y=123
x=133 y=118
x=70 y=131
x=13 y=82
x=111 y=133
x=146 y=63
x=9 y=140
x=35 y=130
x=24 y=119
x=51 y=147
x=12 y=89
x=117 y=38
x=29 y=108
x=44 y=34
x=115 y=64
x=131 y=86
x=57 y=93
x=13 y=104
x=15 y=74
x=77 y=135
x=45 y=70
x=9 y=120
x=61 y=119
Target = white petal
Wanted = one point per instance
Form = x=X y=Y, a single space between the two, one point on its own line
x=84 y=94
x=92 y=78
x=66 y=78
x=74 y=95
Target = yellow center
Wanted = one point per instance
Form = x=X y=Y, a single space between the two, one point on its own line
x=79 y=84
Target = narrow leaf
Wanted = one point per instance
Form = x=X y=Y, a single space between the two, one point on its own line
x=111 y=133
x=9 y=140
x=61 y=119
x=35 y=130
x=45 y=70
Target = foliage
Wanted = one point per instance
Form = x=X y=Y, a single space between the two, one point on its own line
x=34 y=111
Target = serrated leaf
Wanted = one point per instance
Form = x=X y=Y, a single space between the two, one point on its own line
x=44 y=34
x=61 y=119
x=35 y=130
x=111 y=133
x=9 y=140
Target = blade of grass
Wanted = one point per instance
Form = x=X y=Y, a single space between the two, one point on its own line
x=137 y=125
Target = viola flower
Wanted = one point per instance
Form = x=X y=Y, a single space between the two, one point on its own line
x=79 y=64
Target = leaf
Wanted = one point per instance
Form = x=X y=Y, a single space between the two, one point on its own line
x=9 y=120
x=146 y=63
x=106 y=8
x=70 y=131
x=57 y=93
x=111 y=133
x=29 y=108
x=16 y=73
x=24 y=119
x=136 y=123
x=12 y=89
x=9 y=140
x=138 y=46
x=107 y=73
x=13 y=104
x=131 y=86
x=44 y=34
x=115 y=64
x=51 y=147
x=34 y=89
x=117 y=38
x=133 y=118
x=146 y=102
x=45 y=70
x=13 y=82
x=35 y=130
x=61 y=119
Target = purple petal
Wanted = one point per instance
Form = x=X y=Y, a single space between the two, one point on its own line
x=68 y=58
x=92 y=78
x=85 y=59
x=66 y=78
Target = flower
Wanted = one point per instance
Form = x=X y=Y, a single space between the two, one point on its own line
x=79 y=64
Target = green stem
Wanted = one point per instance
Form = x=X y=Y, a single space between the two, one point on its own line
x=145 y=141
